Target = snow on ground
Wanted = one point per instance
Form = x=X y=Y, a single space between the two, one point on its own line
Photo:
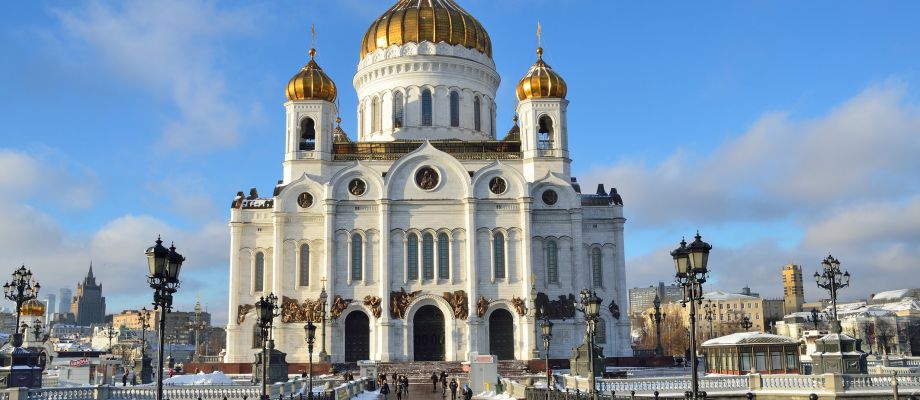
x=201 y=378
x=368 y=395
x=490 y=395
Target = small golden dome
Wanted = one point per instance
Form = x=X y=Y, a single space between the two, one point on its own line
x=311 y=83
x=33 y=308
x=434 y=21
x=541 y=82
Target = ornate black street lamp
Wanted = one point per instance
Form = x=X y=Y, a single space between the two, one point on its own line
x=310 y=330
x=746 y=323
x=37 y=330
x=546 y=331
x=690 y=263
x=814 y=317
x=590 y=307
x=267 y=309
x=710 y=314
x=110 y=333
x=163 y=277
x=143 y=317
x=20 y=290
x=196 y=326
x=323 y=297
x=832 y=280
x=657 y=317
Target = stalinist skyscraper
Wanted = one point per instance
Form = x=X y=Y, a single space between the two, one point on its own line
x=88 y=305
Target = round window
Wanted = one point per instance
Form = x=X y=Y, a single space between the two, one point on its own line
x=550 y=197
x=305 y=200
x=427 y=178
x=357 y=187
x=498 y=185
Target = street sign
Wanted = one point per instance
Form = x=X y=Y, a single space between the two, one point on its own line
x=80 y=362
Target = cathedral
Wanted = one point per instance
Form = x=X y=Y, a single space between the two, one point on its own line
x=430 y=235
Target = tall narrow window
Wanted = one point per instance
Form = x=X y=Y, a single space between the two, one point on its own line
x=375 y=115
x=426 y=107
x=427 y=256
x=477 y=114
x=498 y=255
x=443 y=256
x=596 y=267
x=552 y=262
x=307 y=134
x=398 y=110
x=357 y=257
x=412 y=257
x=361 y=121
x=258 y=281
x=600 y=331
x=491 y=121
x=545 y=133
x=454 y=109
x=304 y=265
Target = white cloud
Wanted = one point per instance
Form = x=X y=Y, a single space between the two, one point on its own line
x=847 y=181
x=27 y=176
x=171 y=49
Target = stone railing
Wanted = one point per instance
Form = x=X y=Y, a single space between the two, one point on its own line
x=295 y=388
x=753 y=383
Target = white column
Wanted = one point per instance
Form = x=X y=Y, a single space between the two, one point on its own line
x=383 y=323
x=233 y=332
x=473 y=321
x=527 y=280
x=328 y=261
x=278 y=276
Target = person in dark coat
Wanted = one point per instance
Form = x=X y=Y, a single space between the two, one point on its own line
x=399 y=390
x=124 y=379
x=453 y=389
x=443 y=382
x=467 y=393
x=405 y=380
x=434 y=381
x=385 y=390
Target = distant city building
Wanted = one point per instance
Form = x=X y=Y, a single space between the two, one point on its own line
x=130 y=319
x=70 y=331
x=893 y=296
x=88 y=306
x=640 y=299
x=793 y=289
x=178 y=323
x=66 y=296
x=773 y=310
x=50 y=304
x=747 y=292
x=7 y=322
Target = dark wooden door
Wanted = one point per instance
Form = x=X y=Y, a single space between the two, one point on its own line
x=501 y=334
x=428 y=332
x=357 y=337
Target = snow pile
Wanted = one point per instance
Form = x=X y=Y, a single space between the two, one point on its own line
x=201 y=378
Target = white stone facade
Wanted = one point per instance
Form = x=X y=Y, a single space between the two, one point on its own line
x=462 y=234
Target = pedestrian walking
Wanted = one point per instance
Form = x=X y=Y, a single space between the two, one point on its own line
x=133 y=379
x=453 y=389
x=405 y=380
x=443 y=380
x=124 y=379
x=399 y=389
x=385 y=390
x=467 y=392
x=434 y=382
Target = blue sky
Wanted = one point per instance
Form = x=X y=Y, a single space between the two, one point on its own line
x=782 y=130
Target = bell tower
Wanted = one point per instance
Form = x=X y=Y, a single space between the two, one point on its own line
x=542 y=109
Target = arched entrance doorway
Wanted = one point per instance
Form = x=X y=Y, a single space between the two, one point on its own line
x=501 y=334
x=357 y=337
x=428 y=334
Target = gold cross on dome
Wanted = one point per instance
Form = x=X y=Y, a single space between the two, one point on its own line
x=313 y=35
x=539 y=34
x=323 y=280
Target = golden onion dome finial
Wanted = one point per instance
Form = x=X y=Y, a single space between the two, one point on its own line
x=435 y=21
x=541 y=82
x=311 y=83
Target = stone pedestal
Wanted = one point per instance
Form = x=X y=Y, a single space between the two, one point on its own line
x=837 y=353
x=21 y=367
x=143 y=369
x=277 y=367
x=580 y=362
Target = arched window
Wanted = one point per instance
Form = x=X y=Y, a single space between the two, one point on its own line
x=357 y=257
x=375 y=115
x=256 y=336
x=545 y=137
x=454 y=109
x=307 y=134
x=552 y=262
x=412 y=257
x=304 y=265
x=427 y=256
x=258 y=280
x=398 y=110
x=477 y=114
x=596 y=267
x=443 y=256
x=498 y=255
x=426 y=107
x=600 y=331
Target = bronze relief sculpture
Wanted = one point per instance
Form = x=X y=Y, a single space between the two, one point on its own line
x=482 y=306
x=338 y=305
x=518 y=304
x=563 y=308
x=241 y=312
x=373 y=302
x=614 y=309
x=458 y=303
x=399 y=302
x=293 y=311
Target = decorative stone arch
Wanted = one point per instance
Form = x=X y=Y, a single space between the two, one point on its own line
x=517 y=322
x=286 y=200
x=427 y=152
x=355 y=306
x=567 y=198
x=451 y=336
x=266 y=268
x=365 y=246
x=338 y=184
x=517 y=184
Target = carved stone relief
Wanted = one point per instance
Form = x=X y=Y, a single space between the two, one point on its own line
x=399 y=302
x=458 y=303
x=374 y=303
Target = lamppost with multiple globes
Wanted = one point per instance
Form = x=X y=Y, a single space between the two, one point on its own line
x=746 y=323
x=690 y=263
x=310 y=330
x=20 y=290
x=163 y=277
x=814 y=317
x=267 y=309
x=657 y=316
x=323 y=297
x=546 y=331
x=196 y=326
x=832 y=280
x=110 y=333
x=37 y=330
x=590 y=307
x=709 y=314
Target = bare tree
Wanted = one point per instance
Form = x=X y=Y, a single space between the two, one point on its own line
x=868 y=331
x=886 y=334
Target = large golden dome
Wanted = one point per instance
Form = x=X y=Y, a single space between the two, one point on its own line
x=311 y=83
x=541 y=82
x=426 y=20
x=33 y=308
